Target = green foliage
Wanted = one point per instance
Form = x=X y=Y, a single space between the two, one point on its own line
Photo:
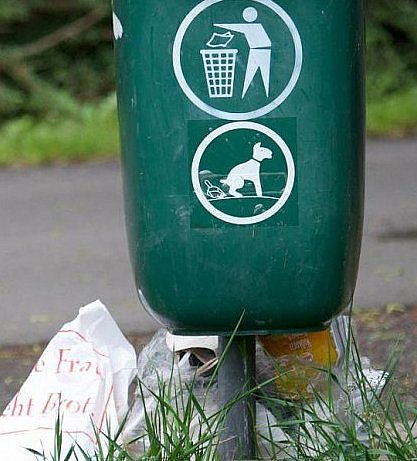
x=88 y=132
x=391 y=47
x=56 y=62
x=394 y=114
x=47 y=47
x=392 y=67
x=16 y=11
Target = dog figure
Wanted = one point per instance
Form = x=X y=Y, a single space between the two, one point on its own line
x=247 y=171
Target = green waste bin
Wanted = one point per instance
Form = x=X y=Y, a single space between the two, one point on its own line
x=242 y=131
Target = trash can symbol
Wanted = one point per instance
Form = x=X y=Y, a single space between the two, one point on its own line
x=219 y=66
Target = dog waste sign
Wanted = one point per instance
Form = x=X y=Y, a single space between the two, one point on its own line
x=242 y=146
x=242 y=173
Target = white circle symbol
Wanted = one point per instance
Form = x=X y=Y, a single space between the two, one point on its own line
x=250 y=14
x=176 y=58
x=246 y=126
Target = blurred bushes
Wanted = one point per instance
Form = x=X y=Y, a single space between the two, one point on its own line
x=391 y=47
x=56 y=53
x=53 y=54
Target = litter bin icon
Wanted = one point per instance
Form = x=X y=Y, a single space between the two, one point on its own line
x=242 y=159
x=219 y=66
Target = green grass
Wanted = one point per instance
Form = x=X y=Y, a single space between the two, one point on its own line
x=395 y=115
x=89 y=132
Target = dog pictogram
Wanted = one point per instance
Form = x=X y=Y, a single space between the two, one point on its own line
x=248 y=171
x=242 y=172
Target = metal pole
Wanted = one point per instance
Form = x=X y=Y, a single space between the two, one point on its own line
x=236 y=376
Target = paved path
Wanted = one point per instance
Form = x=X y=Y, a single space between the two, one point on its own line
x=388 y=269
x=63 y=244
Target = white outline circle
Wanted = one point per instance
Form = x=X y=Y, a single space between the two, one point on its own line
x=247 y=126
x=176 y=59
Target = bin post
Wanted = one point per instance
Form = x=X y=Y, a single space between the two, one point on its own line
x=236 y=378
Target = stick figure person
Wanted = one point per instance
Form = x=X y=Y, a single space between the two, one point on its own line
x=259 y=48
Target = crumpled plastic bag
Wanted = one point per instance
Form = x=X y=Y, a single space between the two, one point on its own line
x=82 y=378
x=168 y=370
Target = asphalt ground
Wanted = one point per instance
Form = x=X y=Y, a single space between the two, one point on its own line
x=388 y=265
x=62 y=246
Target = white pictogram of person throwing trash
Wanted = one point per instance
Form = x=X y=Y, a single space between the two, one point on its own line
x=259 y=48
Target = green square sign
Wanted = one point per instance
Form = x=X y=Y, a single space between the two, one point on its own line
x=243 y=173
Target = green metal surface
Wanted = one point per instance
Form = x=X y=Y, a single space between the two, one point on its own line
x=249 y=200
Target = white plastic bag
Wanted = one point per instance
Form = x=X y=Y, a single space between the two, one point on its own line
x=82 y=377
x=166 y=373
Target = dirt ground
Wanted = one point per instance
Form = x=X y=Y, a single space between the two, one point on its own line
x=391 y=333
x=378 y=333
